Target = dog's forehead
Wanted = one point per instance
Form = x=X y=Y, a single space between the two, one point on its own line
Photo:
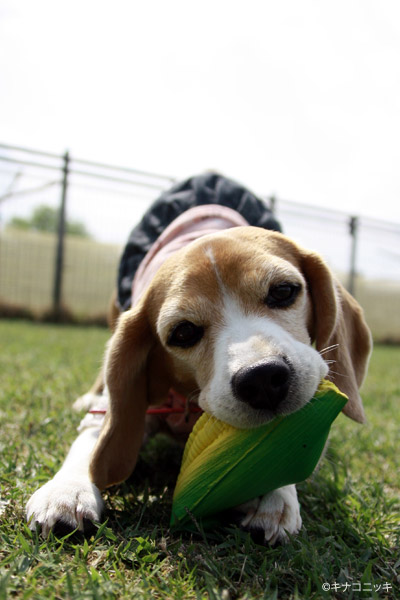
x=229 y=260
x=241 y=250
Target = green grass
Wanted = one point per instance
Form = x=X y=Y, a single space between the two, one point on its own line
x=350 y=508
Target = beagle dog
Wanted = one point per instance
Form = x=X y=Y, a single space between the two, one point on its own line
x=243 y=322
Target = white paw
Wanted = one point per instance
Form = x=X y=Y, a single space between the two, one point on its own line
x=276 y=514
x=65 y=500
x=86 y=402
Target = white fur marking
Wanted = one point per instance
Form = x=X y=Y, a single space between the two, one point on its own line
x=244 y=340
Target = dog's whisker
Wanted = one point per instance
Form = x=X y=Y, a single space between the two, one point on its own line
x=194 y=395
x=337 y=373
x=328 y=349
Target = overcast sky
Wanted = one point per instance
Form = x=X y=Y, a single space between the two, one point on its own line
x=299 y=98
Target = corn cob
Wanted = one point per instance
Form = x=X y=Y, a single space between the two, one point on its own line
x=223 y=467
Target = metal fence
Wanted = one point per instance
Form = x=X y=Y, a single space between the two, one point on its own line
x=55 y=273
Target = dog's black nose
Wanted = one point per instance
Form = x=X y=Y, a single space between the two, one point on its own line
x=264 y=385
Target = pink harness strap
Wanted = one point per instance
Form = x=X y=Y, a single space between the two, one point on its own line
x=188 y=227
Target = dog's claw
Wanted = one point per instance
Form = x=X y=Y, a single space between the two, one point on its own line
x=273 y=516
x=68 y=502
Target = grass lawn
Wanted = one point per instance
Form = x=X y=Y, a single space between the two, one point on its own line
x=350 y=508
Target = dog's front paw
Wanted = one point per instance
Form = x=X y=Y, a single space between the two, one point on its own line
x=274 y=515
x=87 y=401
x=69 y=501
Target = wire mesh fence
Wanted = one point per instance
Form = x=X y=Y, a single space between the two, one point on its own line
x=53 y=273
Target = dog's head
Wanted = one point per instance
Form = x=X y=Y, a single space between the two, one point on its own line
x=233 y=317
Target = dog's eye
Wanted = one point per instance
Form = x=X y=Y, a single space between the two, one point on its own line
x=282 y=295
x=185 y=335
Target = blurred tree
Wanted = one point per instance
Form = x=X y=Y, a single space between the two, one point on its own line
x=45 y=218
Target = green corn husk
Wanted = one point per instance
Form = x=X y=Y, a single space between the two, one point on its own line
x=223 y=466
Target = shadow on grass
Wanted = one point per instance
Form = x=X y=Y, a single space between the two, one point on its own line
x=343 y=538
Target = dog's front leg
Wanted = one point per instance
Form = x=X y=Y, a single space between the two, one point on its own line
x=70 y=497
x=274 y=515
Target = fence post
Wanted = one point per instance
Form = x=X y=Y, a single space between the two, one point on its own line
x=353 y=224
x=59 y=264
x=272 y=204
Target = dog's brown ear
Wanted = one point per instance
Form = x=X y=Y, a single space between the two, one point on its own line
x=115 y=454
x=340 y=332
